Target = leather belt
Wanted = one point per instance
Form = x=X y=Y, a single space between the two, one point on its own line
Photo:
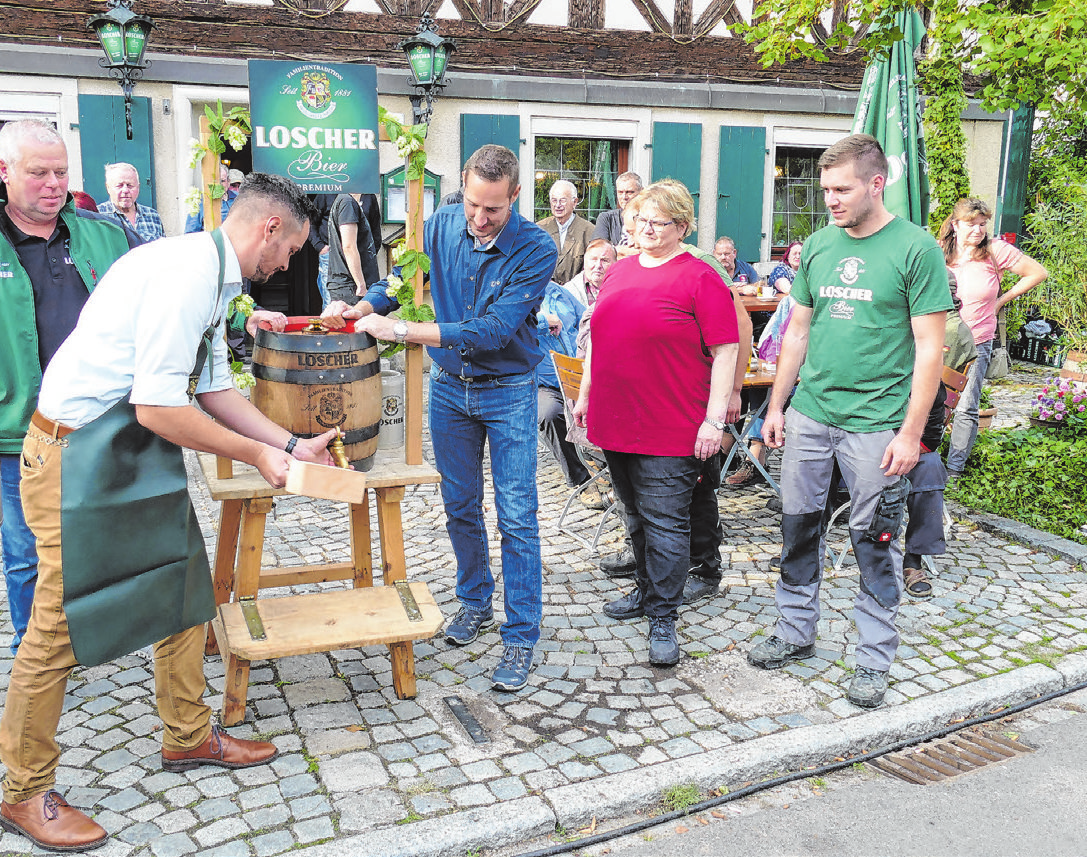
x=54 y=430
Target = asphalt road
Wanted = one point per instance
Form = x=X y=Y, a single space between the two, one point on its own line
x=1031 y=805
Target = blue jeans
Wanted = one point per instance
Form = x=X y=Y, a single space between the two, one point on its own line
x=502 y=414
x=964 y=430
x=656 y=494
x=20 y=552
x=322 y=278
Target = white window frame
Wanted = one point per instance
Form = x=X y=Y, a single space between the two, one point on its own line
x=788 y=131
x=53 y=99
x=187 y=127
x=542 y=121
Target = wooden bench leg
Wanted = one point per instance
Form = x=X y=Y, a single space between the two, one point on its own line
x=246 y=584
x=362 y=559
x=226 y=551
x=403 y=661
x=236 y=689
x=391 y=530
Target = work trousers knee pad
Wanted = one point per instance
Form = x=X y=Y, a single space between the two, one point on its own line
x=801 y=564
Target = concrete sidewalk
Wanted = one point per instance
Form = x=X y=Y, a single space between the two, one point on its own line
x=597 y=734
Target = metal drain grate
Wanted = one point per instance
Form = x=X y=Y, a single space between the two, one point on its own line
x=940 y=760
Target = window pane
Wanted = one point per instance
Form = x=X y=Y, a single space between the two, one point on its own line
x=798 y=199
x=589 y=164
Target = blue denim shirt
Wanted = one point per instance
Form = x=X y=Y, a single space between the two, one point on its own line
x=558 y=302
x=485 y=300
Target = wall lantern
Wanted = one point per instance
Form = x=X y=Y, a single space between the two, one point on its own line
x=123 y=36
x=428 y=54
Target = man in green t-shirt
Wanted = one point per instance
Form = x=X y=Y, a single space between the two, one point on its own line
x=866 y=339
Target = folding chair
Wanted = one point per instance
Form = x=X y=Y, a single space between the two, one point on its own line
x=569 y=371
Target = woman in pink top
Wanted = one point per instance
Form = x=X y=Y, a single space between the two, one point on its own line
x=979 y=262
x=654 y=396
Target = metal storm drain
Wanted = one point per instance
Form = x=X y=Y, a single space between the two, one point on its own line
x=940 y=760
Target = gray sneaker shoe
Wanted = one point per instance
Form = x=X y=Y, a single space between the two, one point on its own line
x=773 y=653
x=867 y=688
x=466 y=625
x=511 y=674
x=663 y=646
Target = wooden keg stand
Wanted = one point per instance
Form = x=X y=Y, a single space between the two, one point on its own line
x=248 y=627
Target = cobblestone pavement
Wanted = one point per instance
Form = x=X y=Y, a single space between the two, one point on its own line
x=354 y=758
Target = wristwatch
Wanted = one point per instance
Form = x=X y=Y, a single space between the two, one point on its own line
x=717 y=425
x=400 y=331
x=289 y=448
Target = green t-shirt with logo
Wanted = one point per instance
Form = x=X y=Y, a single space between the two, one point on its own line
x=863 y=293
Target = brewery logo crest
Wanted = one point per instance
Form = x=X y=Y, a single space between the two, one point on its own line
x=329 y=408
x=316 y=91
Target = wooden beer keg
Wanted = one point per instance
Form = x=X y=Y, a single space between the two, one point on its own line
x=310 y=382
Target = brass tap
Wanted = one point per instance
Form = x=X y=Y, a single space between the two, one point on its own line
x=339 y=454
x=314 y=326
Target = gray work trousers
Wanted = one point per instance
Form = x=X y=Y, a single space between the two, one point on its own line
x=811 y=449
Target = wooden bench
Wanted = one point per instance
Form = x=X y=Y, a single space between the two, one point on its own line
x=249 y=628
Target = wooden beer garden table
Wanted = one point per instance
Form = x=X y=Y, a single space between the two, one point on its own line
x=753 y=303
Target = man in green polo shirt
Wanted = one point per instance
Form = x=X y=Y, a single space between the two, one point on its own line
x=866 y=339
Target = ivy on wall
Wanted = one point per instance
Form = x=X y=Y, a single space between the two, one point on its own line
x=945 y=142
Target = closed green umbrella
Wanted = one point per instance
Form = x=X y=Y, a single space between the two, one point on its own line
x=888 y=110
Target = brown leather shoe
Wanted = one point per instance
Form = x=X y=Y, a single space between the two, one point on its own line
x=221 y=750
x=48 y=821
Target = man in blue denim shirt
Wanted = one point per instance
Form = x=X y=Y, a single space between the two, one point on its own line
x=489 y=268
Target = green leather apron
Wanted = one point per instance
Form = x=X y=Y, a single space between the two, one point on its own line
x=135 y=567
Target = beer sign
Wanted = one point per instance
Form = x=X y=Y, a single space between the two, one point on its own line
x=316 y=123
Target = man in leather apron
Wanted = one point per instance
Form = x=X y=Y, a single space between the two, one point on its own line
x=115 y=409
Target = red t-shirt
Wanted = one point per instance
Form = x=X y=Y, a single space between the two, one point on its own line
x=650 y=370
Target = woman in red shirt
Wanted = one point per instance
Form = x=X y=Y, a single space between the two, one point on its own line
x=654 y=396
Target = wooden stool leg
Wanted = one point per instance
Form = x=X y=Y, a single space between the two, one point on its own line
x=362 y=559
x=394 y=567
x=246 y=584
x=403 y=662
x=226 y=551
x=235 y=690
x=391 y=530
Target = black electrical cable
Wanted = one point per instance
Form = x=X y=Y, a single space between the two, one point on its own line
x=754 y=788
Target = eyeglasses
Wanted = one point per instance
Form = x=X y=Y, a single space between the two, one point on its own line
x=657 y=225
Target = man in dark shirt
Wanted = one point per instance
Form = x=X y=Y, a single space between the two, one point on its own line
x=489 y=267
x=51 y=256
x=352 y=250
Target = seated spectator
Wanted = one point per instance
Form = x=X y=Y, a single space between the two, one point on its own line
x=769 y=347
x=925 y=504
x=739 y=272
x=599 y=256
x=123 y=187
x=557 y=326
x=781 y=278
x=569 y=230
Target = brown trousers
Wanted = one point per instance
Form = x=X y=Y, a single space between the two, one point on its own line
x=35 y=697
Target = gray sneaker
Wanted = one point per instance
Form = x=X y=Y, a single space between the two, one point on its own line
x=867 y=688
x=467 y=625
x=773 y=653
x=698 y=589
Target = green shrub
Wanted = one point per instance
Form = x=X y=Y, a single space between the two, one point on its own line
x=1030 y=475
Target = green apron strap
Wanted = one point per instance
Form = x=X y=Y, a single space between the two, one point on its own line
x=205 y=348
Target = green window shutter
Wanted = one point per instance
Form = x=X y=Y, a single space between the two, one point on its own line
x=479 y=129
x=1014 y=163
x=741 y=165
x=677 y=154
x=102 y=140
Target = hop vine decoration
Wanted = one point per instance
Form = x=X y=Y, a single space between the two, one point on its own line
x=238 y=311
x=231 y=127
x=409 y=140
